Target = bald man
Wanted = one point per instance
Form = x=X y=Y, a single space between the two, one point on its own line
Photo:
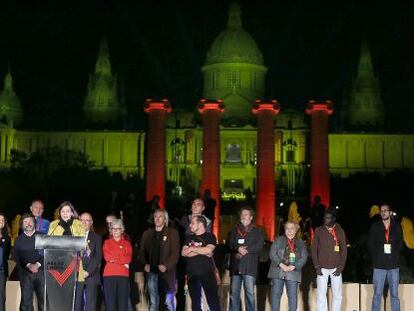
x=91 y=261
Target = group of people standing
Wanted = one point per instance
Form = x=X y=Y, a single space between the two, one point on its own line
x=162 y=247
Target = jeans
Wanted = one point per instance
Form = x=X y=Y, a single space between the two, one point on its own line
x=322 y=285
x=209 y=284
x=393 y=278
x=277 y=290
x=155 y=290
x=2 y=290
x=29 y=283
x=248 y=283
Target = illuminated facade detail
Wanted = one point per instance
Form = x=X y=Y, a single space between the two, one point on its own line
x=155 y=149
x=210 y=168
x=319 y=112
x=101 y=103
x=365 y=104
x=11 y=111
x=234 y=70
x=265 y=195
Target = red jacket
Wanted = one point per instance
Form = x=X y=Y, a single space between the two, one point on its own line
x=117 y=254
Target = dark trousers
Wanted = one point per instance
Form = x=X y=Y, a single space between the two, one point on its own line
x=2 y=290
x=208 y=283
x=30 y=282
x=116 y=289
x=86 y=296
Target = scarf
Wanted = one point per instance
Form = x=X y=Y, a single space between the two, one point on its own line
x=66 y=226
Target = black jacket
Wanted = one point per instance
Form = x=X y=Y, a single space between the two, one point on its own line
x=92 y=263
x=5 y=243
x=376 y=243
x=248 y=264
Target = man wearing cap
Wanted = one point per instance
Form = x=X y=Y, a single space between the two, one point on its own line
x=329 y=258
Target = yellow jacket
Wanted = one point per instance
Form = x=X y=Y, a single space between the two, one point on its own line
x=77 y=230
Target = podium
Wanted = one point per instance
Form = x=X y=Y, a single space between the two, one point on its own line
x=60 y=268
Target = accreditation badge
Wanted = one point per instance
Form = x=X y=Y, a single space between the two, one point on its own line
x=240 y=241
x=292 y=258
x=336 y=248
x=387 y=248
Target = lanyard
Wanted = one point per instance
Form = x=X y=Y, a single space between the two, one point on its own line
x=387 y=233
x=291 y=244
x=242 y=233
x=332 y=232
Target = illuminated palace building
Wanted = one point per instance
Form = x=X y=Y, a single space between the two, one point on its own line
x=233 y=144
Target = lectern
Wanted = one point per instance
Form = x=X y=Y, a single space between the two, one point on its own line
x=60 y=268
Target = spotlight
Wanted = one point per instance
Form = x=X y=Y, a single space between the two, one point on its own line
x=281 y=204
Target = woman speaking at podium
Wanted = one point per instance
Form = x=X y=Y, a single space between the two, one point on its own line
x=69 y=224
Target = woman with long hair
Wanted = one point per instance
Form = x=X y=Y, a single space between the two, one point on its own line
x=5 y=246
x=69 y=224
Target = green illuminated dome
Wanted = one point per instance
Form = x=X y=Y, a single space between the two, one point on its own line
x=234 y=71
x=234 y=44
x=10 y=107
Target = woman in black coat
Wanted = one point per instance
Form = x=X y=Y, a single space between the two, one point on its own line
x=5 y=246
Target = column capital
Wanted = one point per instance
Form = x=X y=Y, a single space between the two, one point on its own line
x=326 y=106
x=209 y=104
x=266 y=105
x=153 y=104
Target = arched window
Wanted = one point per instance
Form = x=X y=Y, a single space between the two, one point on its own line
x=233 y=153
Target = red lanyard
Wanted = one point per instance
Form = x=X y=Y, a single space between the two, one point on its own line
x=332 y=232
x=291 y=244
x=242 y=233
x=387 y=233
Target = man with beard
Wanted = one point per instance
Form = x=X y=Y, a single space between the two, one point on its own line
x=30 y=264
x=385 y=243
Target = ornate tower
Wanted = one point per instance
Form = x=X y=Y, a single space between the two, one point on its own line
x=10 y=107
x=365 y=105
x=234 y=71
x=101 y=102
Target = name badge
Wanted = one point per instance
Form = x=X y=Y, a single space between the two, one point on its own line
x=292 y=257
x=241 y=241
x=336 y=248
x=387 y=248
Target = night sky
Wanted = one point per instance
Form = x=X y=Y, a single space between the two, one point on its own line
x=158 y=47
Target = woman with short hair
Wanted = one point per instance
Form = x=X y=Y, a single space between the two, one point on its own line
x=117 y=252
x=288 y=255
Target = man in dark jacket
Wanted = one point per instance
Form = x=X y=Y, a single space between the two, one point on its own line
x=385 y=243
x=30 y=264
x=91 y=261
x=159 y=253
x=329 y=257
x=244 y=242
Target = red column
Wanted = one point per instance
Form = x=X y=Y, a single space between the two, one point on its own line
x=319 y=112
x=210 y=168
x=265 y=194
x=155 y=148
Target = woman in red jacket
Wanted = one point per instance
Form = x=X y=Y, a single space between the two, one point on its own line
x=117 y=252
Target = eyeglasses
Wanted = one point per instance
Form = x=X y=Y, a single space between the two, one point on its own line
x=116 y=228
